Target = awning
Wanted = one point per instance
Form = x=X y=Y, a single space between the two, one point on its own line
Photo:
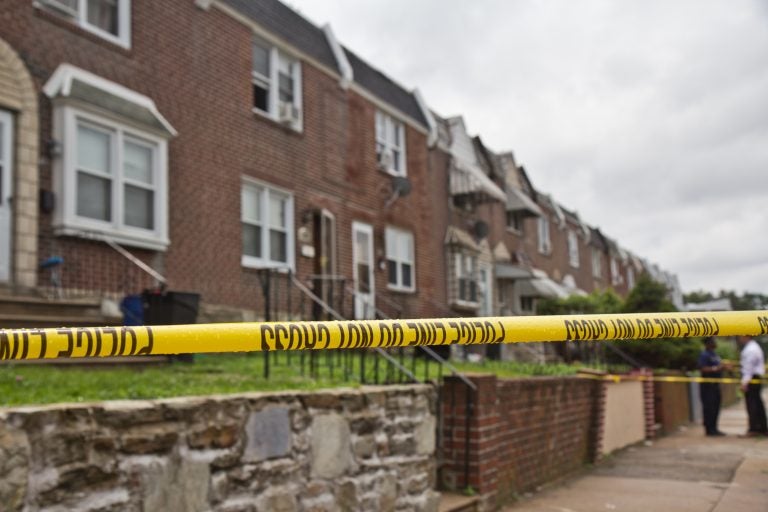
x=467 y=178
x=519 y=201
x=456 y=236
x=541 y=287
x=71 y=82
x=509 y=271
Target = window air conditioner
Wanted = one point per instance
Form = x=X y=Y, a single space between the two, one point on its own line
x=386 y=160
x=288 y=113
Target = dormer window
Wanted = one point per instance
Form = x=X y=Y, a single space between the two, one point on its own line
x=276 y=79
x=110 y=19
x=390 y=144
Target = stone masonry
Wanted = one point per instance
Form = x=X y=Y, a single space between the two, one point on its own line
x=367 y=449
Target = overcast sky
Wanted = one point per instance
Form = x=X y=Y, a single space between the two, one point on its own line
x=647 y=117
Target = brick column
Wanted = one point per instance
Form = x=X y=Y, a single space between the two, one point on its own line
x=648 y=402
x=477 y=452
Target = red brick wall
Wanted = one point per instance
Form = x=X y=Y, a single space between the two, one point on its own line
x=199 y=78
x=523 y=432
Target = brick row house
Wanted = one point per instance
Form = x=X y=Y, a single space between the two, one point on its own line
x=251 y=147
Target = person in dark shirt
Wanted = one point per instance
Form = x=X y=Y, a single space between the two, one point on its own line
x=710 y=367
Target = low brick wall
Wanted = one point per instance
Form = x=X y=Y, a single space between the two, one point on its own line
x=367 y=449
x=522 y=433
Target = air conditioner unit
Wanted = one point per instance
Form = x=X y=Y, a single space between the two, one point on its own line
x=288 y=113
x=386 y=160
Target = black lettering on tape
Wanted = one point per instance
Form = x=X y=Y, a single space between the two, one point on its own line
x=43 y=341
x=84 y=333
x=5 y=347
x=147 y=349
x=70 y=343
x=266 y=333
x=112 y=332
x=281 y=335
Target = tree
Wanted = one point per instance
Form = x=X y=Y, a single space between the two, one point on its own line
x=648 y=296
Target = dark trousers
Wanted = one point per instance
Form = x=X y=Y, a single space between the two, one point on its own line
x=710 y=405
x=756 y=408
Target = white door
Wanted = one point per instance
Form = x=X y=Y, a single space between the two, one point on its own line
x=362 y=270
x=486 y=291
x=6 y=191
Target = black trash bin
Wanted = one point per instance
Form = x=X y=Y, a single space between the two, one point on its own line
x=171 y=308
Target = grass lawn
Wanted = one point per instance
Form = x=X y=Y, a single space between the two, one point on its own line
x=215 y=374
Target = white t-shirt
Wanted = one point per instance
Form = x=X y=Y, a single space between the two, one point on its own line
x=752 y=361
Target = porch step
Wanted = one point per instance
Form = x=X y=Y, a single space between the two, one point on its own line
x=25 y=311
x=452 y=502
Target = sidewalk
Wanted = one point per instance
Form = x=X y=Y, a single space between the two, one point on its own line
x=684 y=472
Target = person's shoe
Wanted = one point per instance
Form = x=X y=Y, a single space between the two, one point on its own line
x=716 y=434
x=751 y=434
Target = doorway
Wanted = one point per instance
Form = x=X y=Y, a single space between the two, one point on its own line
x=6 y=194
x=362 y=270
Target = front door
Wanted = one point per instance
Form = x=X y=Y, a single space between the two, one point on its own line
x=362 y=270
x=6 y=193
x=327 y=285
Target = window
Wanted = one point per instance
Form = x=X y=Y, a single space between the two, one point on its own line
x=545 y=246
x=597 y=257
x=573 y=249
x=615 y=273
x=516 y=221
x=390 y=144
x=113 y=181
x=109 y=19
x=466 y=278
x=267 y=222
x=276 y=79
x=630 y=278
x=400 y=259
x=527 y=304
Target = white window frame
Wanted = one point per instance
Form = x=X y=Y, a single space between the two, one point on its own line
x=630 y=278
x=526 y=300
x=273 y=84
x=393 y=238
x=66 y=219
x=615 y=272
x=391 y=126
x=597 y=266
x=80 y=17
x=461 y=274
x=573 y=249
x=266 y=189
x=545 y=243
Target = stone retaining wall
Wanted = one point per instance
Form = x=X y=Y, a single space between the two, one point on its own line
x=367 y=449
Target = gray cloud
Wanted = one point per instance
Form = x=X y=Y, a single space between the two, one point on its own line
x=648 y=117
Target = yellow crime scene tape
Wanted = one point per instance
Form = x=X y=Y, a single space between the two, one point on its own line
x=663 y=378
x=18 y=344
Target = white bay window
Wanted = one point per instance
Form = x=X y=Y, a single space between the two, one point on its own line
x=113 y=180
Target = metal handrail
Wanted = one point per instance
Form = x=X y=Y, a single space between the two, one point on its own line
x=103 y=237
x=434 y=355
x=336 y=316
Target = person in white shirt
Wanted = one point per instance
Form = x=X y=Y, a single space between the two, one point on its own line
x=753 y=367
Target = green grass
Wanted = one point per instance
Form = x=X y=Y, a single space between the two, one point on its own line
x=217 y=374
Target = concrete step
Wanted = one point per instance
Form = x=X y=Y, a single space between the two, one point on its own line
x=26 y=310
x=452 y=502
